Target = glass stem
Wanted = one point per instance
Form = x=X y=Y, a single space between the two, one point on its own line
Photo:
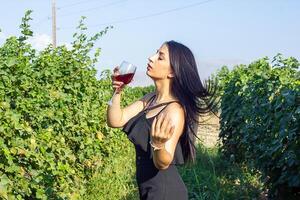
x=110 y=101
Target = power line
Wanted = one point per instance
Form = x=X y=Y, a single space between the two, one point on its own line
x=42 y=20
x=76 y=3
x=48 y=17
x=95 y=8
x=146 y=16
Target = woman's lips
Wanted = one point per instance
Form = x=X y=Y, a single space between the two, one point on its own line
x=149 y=67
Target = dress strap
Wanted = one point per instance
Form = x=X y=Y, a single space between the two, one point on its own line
x=150 y=101
x=159 y=105
x=166 y=105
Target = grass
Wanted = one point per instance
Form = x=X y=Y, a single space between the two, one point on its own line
x=116 y=180
x=211 y=178
x=214 y=177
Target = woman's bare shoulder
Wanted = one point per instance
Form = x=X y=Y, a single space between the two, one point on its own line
x=176 y=110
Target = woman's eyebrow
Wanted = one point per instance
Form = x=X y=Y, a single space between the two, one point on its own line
x=160 y=52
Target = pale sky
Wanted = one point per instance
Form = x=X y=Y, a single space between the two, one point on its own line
x=219 y=32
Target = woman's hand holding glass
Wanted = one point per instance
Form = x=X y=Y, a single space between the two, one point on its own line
x=122 y=76
x=117 y=85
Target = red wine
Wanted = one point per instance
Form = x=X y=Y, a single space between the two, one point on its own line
x=125 y=78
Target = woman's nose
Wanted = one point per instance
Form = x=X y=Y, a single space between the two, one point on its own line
x=149 y=59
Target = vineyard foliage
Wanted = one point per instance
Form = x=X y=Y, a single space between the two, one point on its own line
x=53 y=133
x=260 y=118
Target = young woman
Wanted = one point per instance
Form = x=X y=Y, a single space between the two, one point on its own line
x=161 y=124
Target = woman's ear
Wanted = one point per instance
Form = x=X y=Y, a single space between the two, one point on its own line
x=171 y=75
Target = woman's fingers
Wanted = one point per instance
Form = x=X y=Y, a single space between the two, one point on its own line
x=118 y=86
x=164 y=124
x=117 y=83
x=115 y=72
x=158 y=124
x=170 y=130
x=116 y=69
x=162 y=128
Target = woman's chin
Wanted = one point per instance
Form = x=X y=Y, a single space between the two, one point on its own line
x=147 y=73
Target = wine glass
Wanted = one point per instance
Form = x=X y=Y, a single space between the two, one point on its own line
x=125 y=75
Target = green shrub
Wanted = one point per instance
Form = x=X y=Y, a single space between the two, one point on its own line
x=260 y=119
x=53 y=133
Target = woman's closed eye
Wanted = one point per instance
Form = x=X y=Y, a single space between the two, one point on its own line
x=160 y=55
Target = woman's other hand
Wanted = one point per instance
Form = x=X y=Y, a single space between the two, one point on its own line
x=161 y=130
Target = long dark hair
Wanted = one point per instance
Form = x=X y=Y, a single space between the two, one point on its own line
x=196 y=98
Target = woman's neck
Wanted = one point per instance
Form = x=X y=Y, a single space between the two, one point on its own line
x=163 y=92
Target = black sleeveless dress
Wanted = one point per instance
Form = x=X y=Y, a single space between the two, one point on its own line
x=154 y=184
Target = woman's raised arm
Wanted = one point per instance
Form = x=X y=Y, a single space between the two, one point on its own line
x=116 y=116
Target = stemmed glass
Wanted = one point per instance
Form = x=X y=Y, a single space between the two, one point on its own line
x=126 y=72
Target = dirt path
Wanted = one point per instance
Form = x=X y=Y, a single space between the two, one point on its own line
x=208 y=130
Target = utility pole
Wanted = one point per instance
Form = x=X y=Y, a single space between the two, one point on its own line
x=53 y=24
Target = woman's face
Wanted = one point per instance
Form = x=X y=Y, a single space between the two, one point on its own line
x=159 y=66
